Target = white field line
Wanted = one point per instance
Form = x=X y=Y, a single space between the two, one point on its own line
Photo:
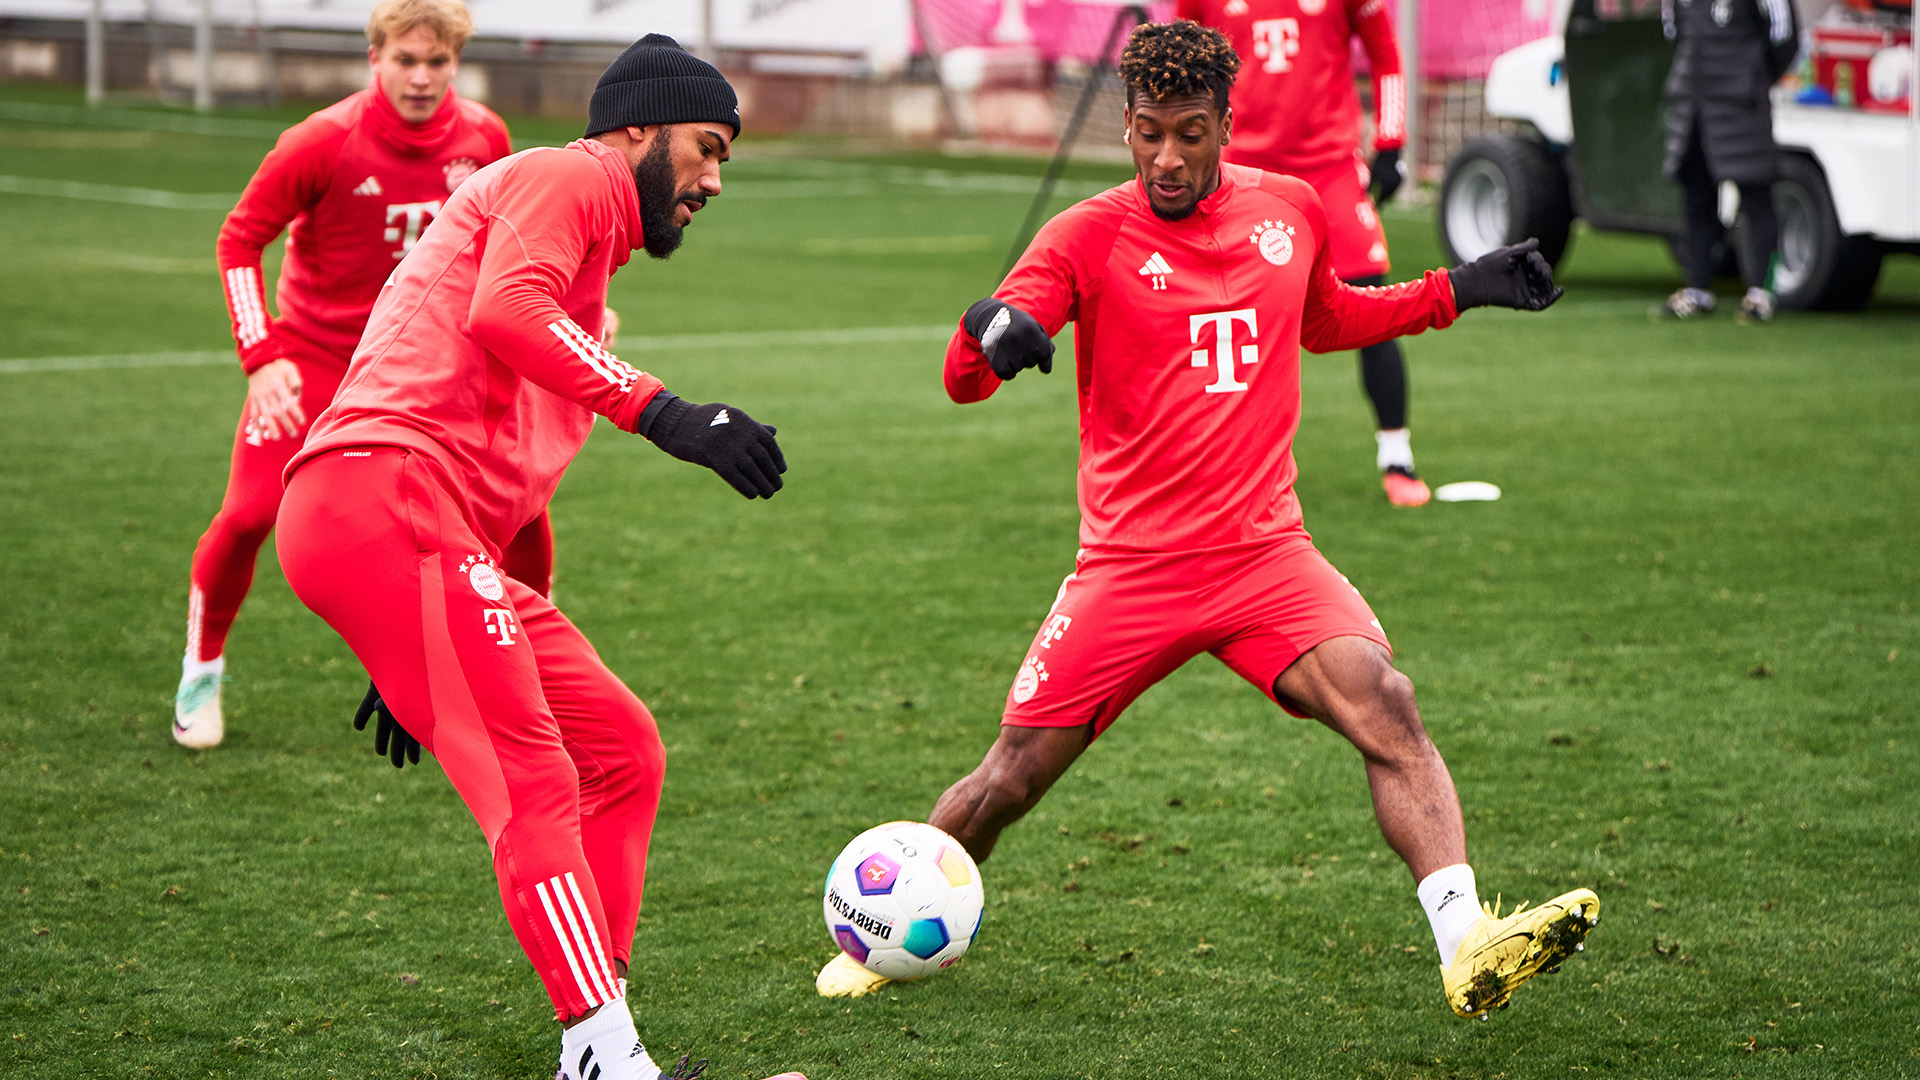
x=756 y=339
x=118 y=361
x=930 y=181
x=140 y=119
x=130 y=196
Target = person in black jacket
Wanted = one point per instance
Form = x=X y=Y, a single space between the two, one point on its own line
x=1728 y=54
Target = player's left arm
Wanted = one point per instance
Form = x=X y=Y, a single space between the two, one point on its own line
x=542 y=226
x=1339 y=316
x=1374 y=24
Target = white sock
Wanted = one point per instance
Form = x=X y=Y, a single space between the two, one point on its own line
x=1395 y=448
x=605 y=1046
x=193 y=669
x=1452 y=904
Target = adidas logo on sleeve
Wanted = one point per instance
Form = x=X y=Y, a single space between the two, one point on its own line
x=370 y=186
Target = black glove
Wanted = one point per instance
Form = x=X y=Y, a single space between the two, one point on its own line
x=1511 y=277
x=720 y=437
x=389 y=738
x=1386 y=175
x=1012 y=339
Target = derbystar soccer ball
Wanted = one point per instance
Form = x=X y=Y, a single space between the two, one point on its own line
x=904 y=899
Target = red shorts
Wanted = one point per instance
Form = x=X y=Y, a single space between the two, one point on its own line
x=1353 y=222
x=1124 y=621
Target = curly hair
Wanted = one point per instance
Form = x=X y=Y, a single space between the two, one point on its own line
x=1178 y=59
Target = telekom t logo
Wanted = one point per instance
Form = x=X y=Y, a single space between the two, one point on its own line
x=1275 y=43
x=1056 y=629
x=405 y=220
x=1223 y=355
x=500 y=622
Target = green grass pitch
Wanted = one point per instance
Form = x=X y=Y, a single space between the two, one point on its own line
x=1676 y=663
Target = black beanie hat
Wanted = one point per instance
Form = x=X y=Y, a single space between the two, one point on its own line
x=657 y=82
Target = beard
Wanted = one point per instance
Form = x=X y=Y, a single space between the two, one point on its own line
x=653 y=178
x=1174 y=215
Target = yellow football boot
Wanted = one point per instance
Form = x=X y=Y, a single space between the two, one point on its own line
x=1499 y=954
x=844 y=977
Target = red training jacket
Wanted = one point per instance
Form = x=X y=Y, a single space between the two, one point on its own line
x=1295 y=109
x=483 y=352
x=1187 y=345
x=359 y=184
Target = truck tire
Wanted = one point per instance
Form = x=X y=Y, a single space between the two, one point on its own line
x=1499 y=190
x=1819 y=267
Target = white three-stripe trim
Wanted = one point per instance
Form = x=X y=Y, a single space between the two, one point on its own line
x=196 y=615
x=1779 y=21
x=1392 y=90
x=567 y=911
x=249 y=305
x=605 y=364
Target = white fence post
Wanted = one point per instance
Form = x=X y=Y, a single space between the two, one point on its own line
x=96 y=52
x=203 y=58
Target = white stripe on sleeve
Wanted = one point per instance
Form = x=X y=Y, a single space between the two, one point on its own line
x=1392 y=92
x=248 y=303
x=1780 y=21
x=604 y=364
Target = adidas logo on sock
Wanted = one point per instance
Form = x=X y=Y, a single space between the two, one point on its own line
x=1447 y=899
x=638 y=1049
x=582 y=1072
x=719 y=418
x=369 y=186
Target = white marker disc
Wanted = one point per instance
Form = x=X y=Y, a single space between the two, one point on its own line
x=1467 y=491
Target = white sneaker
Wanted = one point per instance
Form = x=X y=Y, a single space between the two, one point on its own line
x=1756 y=306
x=1686 y=304
x=197 y=723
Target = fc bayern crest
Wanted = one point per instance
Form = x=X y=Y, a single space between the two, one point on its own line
x=458 y=170
x=1312 y=7
x=483 y=577
x=1027 y=683
x=1275 y=241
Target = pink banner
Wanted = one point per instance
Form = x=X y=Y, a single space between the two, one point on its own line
x=1458 y=38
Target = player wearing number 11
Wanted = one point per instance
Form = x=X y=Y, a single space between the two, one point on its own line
x=1193 y=289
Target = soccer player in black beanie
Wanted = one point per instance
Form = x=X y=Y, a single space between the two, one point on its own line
x=664 y=108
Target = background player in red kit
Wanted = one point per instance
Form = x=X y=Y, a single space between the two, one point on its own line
x=1299 y=115
x=1193 y=289
x=477 y=381
x=358 y=182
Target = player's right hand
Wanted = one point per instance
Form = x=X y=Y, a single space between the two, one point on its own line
x=389 y=739
x=1011 y=339
x=273 y=400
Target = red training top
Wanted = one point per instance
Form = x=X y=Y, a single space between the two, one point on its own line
x=358 y=183
x=1187 y=345
x=483 y=352
x=1296 y=110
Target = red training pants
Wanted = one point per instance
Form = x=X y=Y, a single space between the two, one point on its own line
x=558 y=761
x=223 y=562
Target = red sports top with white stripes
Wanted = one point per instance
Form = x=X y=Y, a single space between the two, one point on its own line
x=1295 y=109
x=358 y=184
x=1187 y=343
x=483 y=350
